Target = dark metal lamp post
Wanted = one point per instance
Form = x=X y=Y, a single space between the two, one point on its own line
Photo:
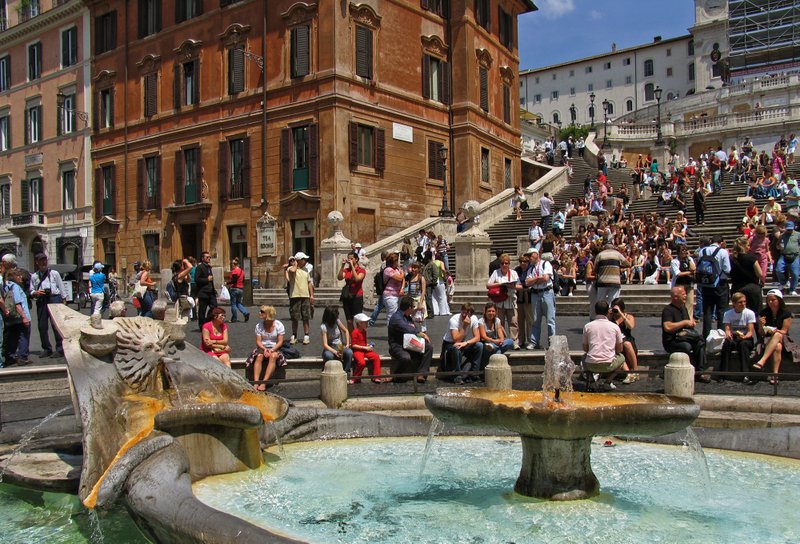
x=573 y=113
x=659 y=136
x=591 y=109
x=445 y=210
x=61 y=99
x=605 y=124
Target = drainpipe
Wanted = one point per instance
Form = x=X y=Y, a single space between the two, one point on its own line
x=125 y=138
x=264 y=109
x=448 y=33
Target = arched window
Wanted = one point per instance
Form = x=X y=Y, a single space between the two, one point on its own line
x=629 y=105
x=556 y=118
x=691 y=48
x=610 y=109
x=648 y=92
x=648 y=68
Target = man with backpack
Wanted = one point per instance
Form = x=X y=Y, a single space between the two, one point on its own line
x=379 y=285
x=712 y=272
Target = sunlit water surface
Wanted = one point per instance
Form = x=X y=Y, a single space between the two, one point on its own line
x=370 y=491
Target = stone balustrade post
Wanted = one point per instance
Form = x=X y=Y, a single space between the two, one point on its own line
x=333 y=384
x=332 y=250
x=679 y=376
x=498 y=373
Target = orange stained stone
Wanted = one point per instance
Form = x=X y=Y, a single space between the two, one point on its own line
x=571 y=400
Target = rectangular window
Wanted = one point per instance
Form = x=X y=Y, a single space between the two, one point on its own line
x=31 y=195
x=34 y=61
x=5 y=73
x=607 y=66
x=151 y=249
x=300 y=158
x=191 y=83
x=191 y=175
x=238 y=166
x=506 y=29
x=484 y=165
x=554 y=77
x=365 y=155
x=3 y=16
x=110 y=251
x=5 y=200
x=435 y=79
x=669 y=52
x=187 y=9
x=482 y=13
x=572 y=73
x=506 y=104
x=691 y=72
x=105 y=32
x=648 y=68
x=537 y=99
x=149 y=17
x=300 y=51
x=669 y=72
x=68 y=190
x=27 y=10
x=536 y=79
x=5 y=133
x=626 y=61
x=107 y=173
x=363 y=52
x=690 y=48
x=66 y=115
x=235 y=70
x=69 y=47
x=507 y=176
x=483 y=74
x=434 y=6
x=33 y=124
x=572 y=91
x=152 y=177
x=150 y=95
x=588 y=70
x=609 y=84
x=590 y=88
x=628 y=80
x=554 y=95
x=106 y=108
x=435 y=164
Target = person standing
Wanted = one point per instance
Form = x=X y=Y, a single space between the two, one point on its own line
x=608 y=265
x=97 y=281
x=545 y=209
x=206 y=294
x=506 y=277
x=539 y=280
x=47 y=288
x=789 y=247
x=713 y=281
x=524 y=308
x=236 y=287
x=301 y=295
x=7 y=264
x=352 y=299
x=19 y=333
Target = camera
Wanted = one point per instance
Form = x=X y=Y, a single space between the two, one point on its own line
x=48 y=292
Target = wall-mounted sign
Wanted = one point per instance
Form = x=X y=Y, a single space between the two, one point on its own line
x=33 y=160
x=265 y=233
x=304 y=228
x=403 y=133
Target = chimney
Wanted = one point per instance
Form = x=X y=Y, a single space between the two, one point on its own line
x=613 y=47
x=657 y=39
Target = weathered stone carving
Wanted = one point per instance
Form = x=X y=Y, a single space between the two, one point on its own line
x=143 y=346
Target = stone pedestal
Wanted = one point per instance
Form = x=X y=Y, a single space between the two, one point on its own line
x=679 y=376
x=332 y=251
x=472 y=257
x=556 y=470
x=498 y=373
x=333 y=384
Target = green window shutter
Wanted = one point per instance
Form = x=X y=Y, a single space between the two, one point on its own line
x=380 y=150
x=313 y=156
x=180 y=189
x=286 y=161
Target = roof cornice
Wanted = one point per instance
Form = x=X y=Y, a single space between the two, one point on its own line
x=23 y=31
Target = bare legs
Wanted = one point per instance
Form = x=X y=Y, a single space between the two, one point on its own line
x=271 y=364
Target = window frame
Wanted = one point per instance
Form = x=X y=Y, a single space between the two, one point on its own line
x=105 y=109
x=69 y=46
x=505 y=24
x=68 y=195
x=435 y=79
x=486 y=166
x=67 y=118
x=105 y=32
x=300 y=51
x=5 y=73
x=5 y=131
x=148 y=18
x=649 y=92
x=236 y=70
x=152 y=250
x=483 y=14
x=34 y=61
x=5 y=198
x=648 y=69
x=33 y=122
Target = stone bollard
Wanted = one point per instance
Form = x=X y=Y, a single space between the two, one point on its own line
x=333 y=384
x=498 y=373
x=679 y=376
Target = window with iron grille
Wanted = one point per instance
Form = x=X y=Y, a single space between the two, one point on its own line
x=484 y=165
x=507 y=175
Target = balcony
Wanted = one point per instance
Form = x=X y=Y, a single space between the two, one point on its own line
x=28 y=222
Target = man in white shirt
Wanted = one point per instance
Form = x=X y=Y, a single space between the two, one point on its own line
x=539 y=280
x=461 y=345
x=47 y=288
x=545 y=209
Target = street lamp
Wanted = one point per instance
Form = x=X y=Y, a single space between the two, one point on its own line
x=591 y=109
x=61 y=99
x=445 y=210
x=605 y=124
x=573 y=113
x=659 y=137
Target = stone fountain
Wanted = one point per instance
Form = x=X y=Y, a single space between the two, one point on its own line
x=158 y=414
x=556 y=425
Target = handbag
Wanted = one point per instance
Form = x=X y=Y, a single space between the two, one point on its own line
x=689 y=335
x=139 y=290
x=346 y=293
x=497 y=293
x=412 y=342
x=524 y=205
x=290 y=352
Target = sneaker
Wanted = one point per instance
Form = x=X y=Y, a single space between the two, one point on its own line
x=306 y=340
x=246 y=318
x=530 y=347
x=516 y=347
x=630 y=378
x=293 y=340
x=611 y=386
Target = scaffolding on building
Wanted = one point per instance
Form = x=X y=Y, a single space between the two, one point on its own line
x=763 y=35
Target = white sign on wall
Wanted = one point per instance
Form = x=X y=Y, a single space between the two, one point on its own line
x=403 y=133
x=266 y=240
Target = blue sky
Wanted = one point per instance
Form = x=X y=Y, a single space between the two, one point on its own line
x=564 y=30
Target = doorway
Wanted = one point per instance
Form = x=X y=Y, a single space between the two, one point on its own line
x=237 y=236
x=303 y=237
x=191 y=240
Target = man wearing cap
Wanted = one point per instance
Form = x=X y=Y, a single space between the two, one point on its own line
x=301 y=295
x=359 y=250
x=7 y=263
x=790 y=250
x=792 y=198
x=47 y=288
x=206 y=293
x=539 y=279
x=97 y=281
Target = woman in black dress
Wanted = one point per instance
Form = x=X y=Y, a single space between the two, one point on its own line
x=773 y=326
x=626 y=323
x=746 y=274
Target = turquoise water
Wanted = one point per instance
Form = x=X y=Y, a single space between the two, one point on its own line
x=28 y=517
x=370 y=491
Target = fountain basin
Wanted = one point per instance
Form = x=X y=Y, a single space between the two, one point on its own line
x=556 y=436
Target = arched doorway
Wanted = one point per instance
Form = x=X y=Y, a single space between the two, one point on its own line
x=37 y=246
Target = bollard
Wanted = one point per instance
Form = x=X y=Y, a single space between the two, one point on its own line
x=333 y=384
x=498 y=373
x=679 y=376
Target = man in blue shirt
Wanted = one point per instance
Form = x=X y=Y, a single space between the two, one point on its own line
x=403 y=360
x=715 y=298
x=19 y=329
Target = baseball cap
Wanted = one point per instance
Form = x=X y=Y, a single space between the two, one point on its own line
x=532 y=250
x=363 y=318
x=790 y=225
x=358 y=244
x=9 y=258
x=98 y=266
x=300 y=255
x=777 y=292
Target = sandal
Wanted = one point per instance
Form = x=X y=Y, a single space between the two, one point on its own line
x=774 y=381
x=758 y=366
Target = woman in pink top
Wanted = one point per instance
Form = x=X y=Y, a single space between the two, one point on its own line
x=759 y=248
x=215 y=337
x=393 y=280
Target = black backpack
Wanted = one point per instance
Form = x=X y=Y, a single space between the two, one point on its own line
x=379 y=283
x=707 y=271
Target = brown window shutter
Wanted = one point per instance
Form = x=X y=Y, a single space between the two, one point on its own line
x=224 y=182
x=246 y=168
x=180 y=189
x=506 y=104
x=286 y=160
x=176 y=87
x=484 y=84
x=157 y=195
x=180 y=11
x=363 y=52
x=444 y=91
x=353 y=145
x=113 y=194
x=426 y=76
x=96 y=111
x=433 y=151
x=25 y=196
x=198 y=7
x=150 y=98
x=98 y=192
x=313 y=157
x=380 y=150
x=196 y=86
x=236 y=74
x=140 y=188
x=112 y=40
x=300 y=51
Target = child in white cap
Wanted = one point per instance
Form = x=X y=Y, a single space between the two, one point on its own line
x=363 y=350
